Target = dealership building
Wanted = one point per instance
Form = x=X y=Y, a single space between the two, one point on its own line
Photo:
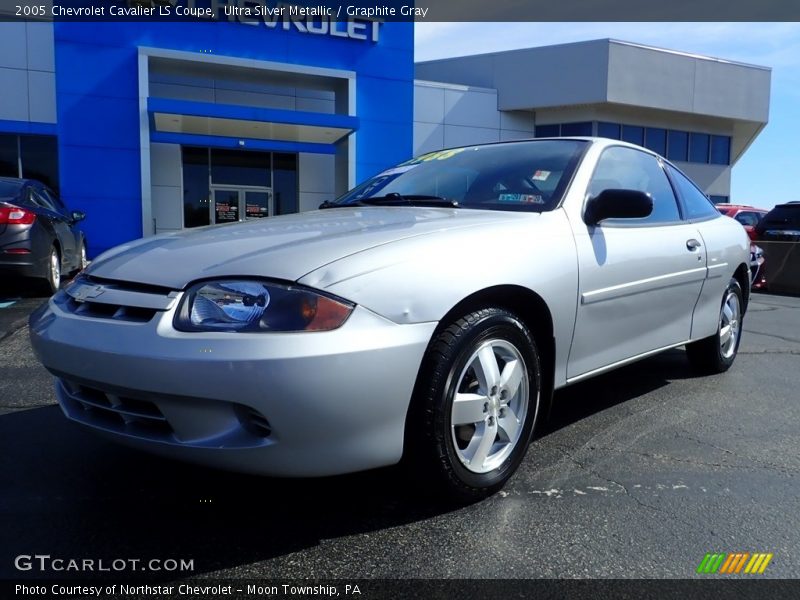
x=156 y=127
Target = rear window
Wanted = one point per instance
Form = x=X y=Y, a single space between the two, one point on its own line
x=9 y=188
x=786 y=216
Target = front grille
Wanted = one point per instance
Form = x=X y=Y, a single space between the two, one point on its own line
x=115 y=300
x=133 y=314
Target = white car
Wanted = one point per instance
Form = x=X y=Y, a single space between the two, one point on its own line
x=427 y=315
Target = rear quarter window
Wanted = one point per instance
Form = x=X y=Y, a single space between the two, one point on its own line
x=696 y=204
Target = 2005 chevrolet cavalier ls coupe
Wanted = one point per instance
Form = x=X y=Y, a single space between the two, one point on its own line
x=428 y=314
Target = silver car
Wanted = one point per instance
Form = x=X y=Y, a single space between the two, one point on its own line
x=427 y=315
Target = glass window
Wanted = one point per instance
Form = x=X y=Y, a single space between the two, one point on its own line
x=720 y=150
x=626 y=168
x=547 y=131
x=9 y=188
x=54 y=200
x=677 y=145
x=748 y=218
x=696 y=203
x=195 y=187
x=238 y=167
x=9 y=159
x=633 y=134
x=656 y=140
x=698 y=147
x=521 y=176
x=783 y=216
x=576 y=129
x=39 y=154
x=720 y=199
x=284 y=187
x=608 y=130
x=42 y=200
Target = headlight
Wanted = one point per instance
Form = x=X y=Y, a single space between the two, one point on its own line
x=251 y=306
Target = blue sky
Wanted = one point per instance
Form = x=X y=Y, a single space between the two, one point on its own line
x=766 y=174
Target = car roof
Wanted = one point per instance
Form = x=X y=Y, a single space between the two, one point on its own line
x=741 y=207
x=20 y=180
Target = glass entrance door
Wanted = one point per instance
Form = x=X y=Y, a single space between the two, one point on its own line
x=224 y=205
x=257 y=203
x=229 y=204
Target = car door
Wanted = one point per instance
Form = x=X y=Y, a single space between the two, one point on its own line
x=639 y=279
x=721 y=250
x=62 y=224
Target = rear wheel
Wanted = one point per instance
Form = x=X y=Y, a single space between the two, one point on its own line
x=716 y=353
x=475 y=404
x=51 y=281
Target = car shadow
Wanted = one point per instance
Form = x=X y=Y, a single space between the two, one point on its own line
x=582 y=400
x=16 y=288
x=68 y=493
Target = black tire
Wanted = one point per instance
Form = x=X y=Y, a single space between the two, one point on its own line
x=709 y=355
x=433 y=441
x=51 y=281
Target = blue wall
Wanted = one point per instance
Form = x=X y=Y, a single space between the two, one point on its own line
x=98 y=106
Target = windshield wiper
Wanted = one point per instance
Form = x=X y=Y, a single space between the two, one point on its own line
x=394 y=199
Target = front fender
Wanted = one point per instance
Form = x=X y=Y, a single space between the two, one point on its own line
x=421 y=280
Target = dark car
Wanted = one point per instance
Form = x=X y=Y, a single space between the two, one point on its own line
x=778 y=233
x=38 y=235
x=782 y=223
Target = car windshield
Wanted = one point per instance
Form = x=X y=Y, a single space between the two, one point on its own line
x=526 y=176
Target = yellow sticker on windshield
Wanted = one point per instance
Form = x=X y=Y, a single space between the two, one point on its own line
x=438 y=155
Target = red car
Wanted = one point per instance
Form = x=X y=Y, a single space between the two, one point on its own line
x=749 y=217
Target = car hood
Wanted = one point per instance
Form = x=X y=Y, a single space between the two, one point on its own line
x=285 y=247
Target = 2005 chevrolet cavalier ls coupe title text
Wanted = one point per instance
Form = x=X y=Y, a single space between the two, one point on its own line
x=428 y=314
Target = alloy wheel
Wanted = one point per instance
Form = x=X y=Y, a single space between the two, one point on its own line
x=729 y=324
x=490 y=406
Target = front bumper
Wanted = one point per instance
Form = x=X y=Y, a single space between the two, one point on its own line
x=288 y=404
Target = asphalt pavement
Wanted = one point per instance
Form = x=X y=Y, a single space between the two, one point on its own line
x=640 y=473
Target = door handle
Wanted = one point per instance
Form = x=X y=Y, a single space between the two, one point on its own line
x=693 y=244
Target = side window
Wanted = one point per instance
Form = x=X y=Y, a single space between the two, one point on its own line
x=40 y=199
x=54 y=200
x=629 y=169
x=697 y=204
x=747 y=218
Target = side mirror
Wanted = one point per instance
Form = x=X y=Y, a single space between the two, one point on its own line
x=77 y=215
x=617 y=204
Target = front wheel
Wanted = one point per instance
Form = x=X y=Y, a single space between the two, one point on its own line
x=82 y=260
x=716 y=353
x=475 y=404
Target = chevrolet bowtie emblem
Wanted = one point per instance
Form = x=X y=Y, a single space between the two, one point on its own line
x=87 y=293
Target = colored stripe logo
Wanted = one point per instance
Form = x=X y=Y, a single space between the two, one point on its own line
x=734 y=563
